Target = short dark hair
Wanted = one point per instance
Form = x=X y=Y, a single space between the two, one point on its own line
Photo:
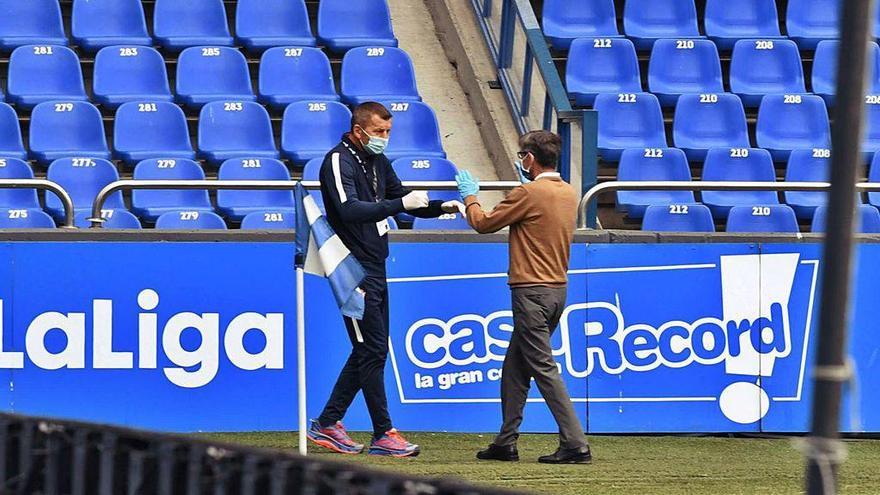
x=543 y=145
x=362 y=113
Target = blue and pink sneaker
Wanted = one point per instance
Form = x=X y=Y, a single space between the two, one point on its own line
x=334 y=438
x=393 y=444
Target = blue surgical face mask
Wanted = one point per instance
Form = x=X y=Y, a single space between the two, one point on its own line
x=525 y=176
x=375 y=145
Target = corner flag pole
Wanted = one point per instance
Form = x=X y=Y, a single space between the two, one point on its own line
x=301 y=357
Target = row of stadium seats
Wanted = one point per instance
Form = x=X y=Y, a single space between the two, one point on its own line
x=807 y=22
x=178 y=24
x=226 y=129
x=683 y=66
x=39 y=73
x=766 y=218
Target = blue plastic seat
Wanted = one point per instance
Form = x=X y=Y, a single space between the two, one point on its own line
x=150 y=204
x=678 y=218
x=230 y=129
x=343 y=24
x=645 y=21
x=871 y=137
x=868 y=219
x=268 y=220
x=769 y=218
x=82 y=178
x=61 y=129
x=212 y=73
x=824 y=75
x=30 y=22
x=446 y=221
x=637 y=164
x=39 y=73
x=418 y=168
x=262 y=24
x=601 y=65
x=96 y=24
x=14 y=168
x=738 y=164
x=810 y=21
x=414 y=131
x=761 y=67
x=238 y=204
x=113 y=219
x=679 y=67
x=312 y=171
x=16 y=218
x=728 y=21
x=180 y=24
x=144 y=130
x=289 y=74
x=309 y=129
x=374 y=73
x=130 y=73
x=563 y=21
x=789 y=122
x=10 y=134
x=190 y=220
x=808 y=165
x=873 y=176
x=628 y=120
x=704 y=121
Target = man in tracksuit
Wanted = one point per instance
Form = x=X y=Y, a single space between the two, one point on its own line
x=360 y=191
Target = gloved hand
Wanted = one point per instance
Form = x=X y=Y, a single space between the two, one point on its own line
x=467 y=185
x=453 y=206
x=522 y=173
x=415 y=200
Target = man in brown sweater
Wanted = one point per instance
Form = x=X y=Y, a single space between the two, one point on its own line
x=541 y=215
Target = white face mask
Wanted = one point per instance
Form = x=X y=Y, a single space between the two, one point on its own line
x=374 y=145
x=525 y=176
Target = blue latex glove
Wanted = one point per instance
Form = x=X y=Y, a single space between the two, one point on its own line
x=521 y=172
x=467 y=184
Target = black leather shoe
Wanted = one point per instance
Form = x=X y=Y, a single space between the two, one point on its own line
x=499 y=453
x=568 y=456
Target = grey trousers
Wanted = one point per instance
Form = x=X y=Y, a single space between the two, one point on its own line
x=536 y=313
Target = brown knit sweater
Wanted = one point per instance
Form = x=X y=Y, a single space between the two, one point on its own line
x=542 y=216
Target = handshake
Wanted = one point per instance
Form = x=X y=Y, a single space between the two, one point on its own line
x=419 y=199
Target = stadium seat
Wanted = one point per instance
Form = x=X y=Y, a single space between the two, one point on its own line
x=178 y=25
x=190 y=220
x=727 y=21
x=789 y=122
x=30 y=22
x=130 y=73
x=770 y=218
x=564 y=21
x=645 y=21
x=60 y=129
x=824 y=75
x=601 y=65
x=415 y=131
x=289 y=74
x=738 y=164
x=871 y=137
x=873 y=176
x=309 y=129
x=14 y=168
x=678 y=218
x=14 y=218
x=150 y=204
x=268 y=220
x=343 y=24
x=413 y=168
x=312 y=171
x=808 y=165
x=262 y=24
x=212 y=73
x=638 y=164
x=678 y=67
x=144 y=130
x=759 y=67
x=96 y=24
x=82 y=178
x=230 y=129
x=113 y=219
x=704 y=121
x=373 y=73
x=446 y=221
x=628 y=120
x=868 y=219
x=39 y=73
x=238 y=204
x=810 y=21
x=11 y=145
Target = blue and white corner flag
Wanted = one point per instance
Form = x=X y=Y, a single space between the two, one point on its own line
x=319 y=251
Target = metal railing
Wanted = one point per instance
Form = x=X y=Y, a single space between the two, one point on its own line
x=588 y=198
x=44 y=185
